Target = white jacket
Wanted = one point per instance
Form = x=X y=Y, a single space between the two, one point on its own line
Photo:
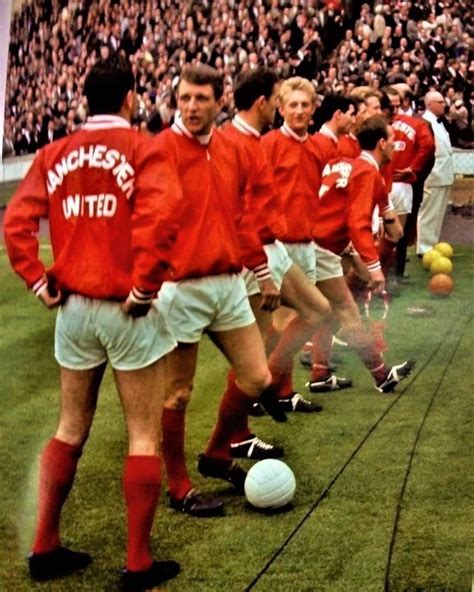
x=442 y=173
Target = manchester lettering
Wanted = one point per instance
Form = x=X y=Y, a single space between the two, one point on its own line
x=404 y=128
x=102 y=205
x=95 y=156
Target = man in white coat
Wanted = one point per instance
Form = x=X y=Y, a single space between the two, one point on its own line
x=438 y=184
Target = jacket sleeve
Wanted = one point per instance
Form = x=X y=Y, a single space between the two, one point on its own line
x=425 y=149
x=21 y=224
x=363 y=191
x=247 y=219
x=265 y=196
x=157 y=212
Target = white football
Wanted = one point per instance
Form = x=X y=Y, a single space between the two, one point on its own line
x=270 y=483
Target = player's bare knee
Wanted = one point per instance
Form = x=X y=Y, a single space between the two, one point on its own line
x=178 y=396
x=253 y=385
x=316 y=314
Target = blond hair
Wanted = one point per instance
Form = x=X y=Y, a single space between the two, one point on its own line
x=364 y=92
x=297 y=83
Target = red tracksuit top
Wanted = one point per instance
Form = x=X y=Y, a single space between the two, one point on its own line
x=350 y=190
x=262 y=200
x=113 y=220
x=414 y=144
x=216 y=229
x=348 y=146
x=296 y=169
x=326 y=143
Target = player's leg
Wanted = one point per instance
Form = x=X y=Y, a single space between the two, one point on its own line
x=299 y=293
x=142 y=392
x=245 y=444
x=189 y=306
x=359 y=338
x=281 y=319
x=244 y=349
x=328 y=267
x=58 y=465
x=181 y=368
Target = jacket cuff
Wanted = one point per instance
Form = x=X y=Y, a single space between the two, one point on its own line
x=374 y=266
x=140 y=296
x=262 y=272
x=39 y=286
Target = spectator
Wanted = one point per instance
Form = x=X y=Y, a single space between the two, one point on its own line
x=437 y=188
x=462 y=134
x=52 y=46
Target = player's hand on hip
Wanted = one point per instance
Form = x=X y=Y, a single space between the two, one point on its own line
x=401 y=175
x=135 y=309
x=377 y=281
x=270 y=295
x=50 y=300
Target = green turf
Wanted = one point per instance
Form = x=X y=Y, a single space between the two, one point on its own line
x=354 y=455
x=6 y=191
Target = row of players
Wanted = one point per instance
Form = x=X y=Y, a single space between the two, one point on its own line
x=226 y=225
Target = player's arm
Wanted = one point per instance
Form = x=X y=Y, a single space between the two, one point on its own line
x=406 y=175
x=21 y=225
x=392 y=228
x=361 y=191
x=157 y=211
x=256 y=198
x=425 y=149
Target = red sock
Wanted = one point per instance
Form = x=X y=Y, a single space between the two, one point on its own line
x=231 y=419
x=293 y=338
x=57 y=471
x=364 y=344
x=286 y=383
x=141 y=486
x=241 y=427
x=322 y=347
x=173 y=422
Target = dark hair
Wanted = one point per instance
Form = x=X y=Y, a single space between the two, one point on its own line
x=252 y=85
x=202 y=75
x=107 y=84
x=332 y=103
x=358 y=102
x=371 y=131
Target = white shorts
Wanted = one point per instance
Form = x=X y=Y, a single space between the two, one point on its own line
x=279 y=262
x=328 y=264
x=216 y=303
x=90 y=331
x=401 y=198
x=304 y=256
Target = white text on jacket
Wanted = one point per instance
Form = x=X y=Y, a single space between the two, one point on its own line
x=95 y=156
x=103 y=205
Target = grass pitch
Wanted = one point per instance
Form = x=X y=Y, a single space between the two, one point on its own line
x=384 y=482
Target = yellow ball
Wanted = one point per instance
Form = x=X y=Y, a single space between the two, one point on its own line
x=441 y=265
x=429 y=257
x=445 y=249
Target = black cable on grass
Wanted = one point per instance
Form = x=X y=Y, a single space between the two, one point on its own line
x=325 y=491
x=410 y=461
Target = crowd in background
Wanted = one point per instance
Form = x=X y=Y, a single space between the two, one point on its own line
x=338 y=45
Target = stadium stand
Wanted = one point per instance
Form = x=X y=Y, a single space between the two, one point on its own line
x=337 y=45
